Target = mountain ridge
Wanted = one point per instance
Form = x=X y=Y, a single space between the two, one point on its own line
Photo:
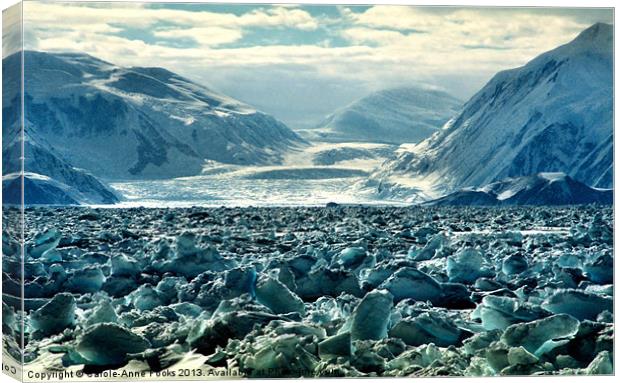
x=539 y=189
x=393 y=115
x=162 y=124
x=554 y=114
x=88 y=121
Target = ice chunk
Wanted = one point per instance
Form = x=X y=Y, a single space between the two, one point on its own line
x=275 y=295
x=168 y=288
x=487 y=284
x=51 y=256
x=124 y=266
x=454 y=296
x=467 y=265
x=287 y=355
x=605 y=317
x=350 y=258
x=373 y=277
x=601 y=269
x=514 y=264
x=54 y=316
x=413 y=284
x=8 y=319
x=90 y=279
x=187 y=309
x=336 y=346
x=235 y=283
x=366 y=359
x=103 y=313
x=186 y=244
x=497 y=312
x=107 y=344
x=190 y=261
x=601 y=365
x=566 y=361
x=10 y=246
x=206 y=335
x=599 y=230
x=371 y=316
x=437 y=246
x=429 y=327
x=543 y=335
x=520 y=356
x=119 y=286
x=321 y=282
x=581 y=305
x=480 y=341
x=411 y=360
x=44 y=242
x=145 y=297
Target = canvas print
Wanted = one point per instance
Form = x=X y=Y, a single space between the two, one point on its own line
x=228 y=191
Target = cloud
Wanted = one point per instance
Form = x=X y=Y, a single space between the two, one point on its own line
x=361 y=49
x=372 y=36
x=206 y=36
x=137 y=15
x=11 y=30
x=517 y=29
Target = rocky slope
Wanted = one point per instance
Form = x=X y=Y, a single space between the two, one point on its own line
x=540 y=189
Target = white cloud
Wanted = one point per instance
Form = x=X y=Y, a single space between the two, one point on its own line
x=11 y=30
x=79 y=15
x=459 y=28
x=388 y=45
x=369 y=35
x=206 y=36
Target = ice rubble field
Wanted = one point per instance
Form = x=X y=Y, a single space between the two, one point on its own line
x=315 y=291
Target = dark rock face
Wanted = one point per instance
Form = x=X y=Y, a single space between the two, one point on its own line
x=541 y=189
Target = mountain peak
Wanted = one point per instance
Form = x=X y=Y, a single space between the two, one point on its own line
x=398 y=115
x=598 y=37
x=596 y=31
x=553 y=114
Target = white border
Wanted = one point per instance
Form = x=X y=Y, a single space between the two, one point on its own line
x=483 y=3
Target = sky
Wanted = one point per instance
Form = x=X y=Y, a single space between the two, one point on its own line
x=300 y=63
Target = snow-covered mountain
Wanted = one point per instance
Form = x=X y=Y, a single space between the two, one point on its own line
x=44 y=190
x=48 y=171
x=395 y=116
x=121 y=123
x=552 y=115
x=539 y=189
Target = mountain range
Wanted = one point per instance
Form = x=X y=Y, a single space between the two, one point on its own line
x=88 y=122
x=118 y=123
x=554 y=114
